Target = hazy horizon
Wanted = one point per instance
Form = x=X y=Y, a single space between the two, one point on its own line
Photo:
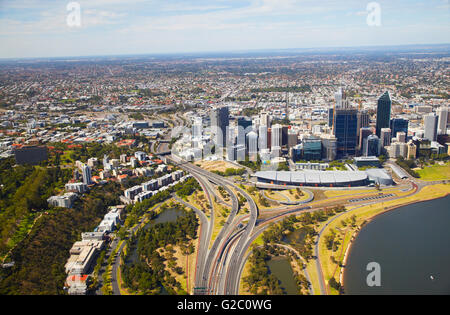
x=252 y=52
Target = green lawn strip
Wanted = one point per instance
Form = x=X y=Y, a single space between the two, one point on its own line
x=435 y=172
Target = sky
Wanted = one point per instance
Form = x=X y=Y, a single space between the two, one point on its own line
x=46 y=28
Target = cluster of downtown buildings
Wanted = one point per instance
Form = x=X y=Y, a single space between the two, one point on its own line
x=348 y=133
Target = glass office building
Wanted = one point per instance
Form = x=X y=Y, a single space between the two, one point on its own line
x=399 y=125
x=346 y=132
x=383 y=113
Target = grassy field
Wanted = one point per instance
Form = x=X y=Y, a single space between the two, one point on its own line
x=435 y=172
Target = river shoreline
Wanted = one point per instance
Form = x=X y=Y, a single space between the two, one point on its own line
x=356 y=233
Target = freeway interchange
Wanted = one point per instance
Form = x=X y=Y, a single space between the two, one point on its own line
x=219 y=268
x=219 y=265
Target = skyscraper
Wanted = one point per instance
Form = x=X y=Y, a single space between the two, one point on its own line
x=330 y=116
x=284 y=135
x=443 y=120
x=385 y=137
x=265 y=120
x=341 y=99
x=372 y=146
x=252 y=138
x=399 y=125
x=383 y=112
x=263 y=137
x=244 y=126
x=219 y=122
x=363 y=134
x=431 y=125
x=345 y=129
x=363 y=119
x=276 y=135
x=197 y=127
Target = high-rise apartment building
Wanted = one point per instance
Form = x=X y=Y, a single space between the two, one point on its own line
x=87 y=175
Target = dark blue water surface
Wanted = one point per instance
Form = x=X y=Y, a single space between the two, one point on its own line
x=411 y=245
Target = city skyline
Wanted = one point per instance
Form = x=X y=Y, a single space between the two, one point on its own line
x=41 y=28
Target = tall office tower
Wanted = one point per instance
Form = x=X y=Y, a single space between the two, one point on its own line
x=372 y=146
x=265 y=120
x=87 y=175
x=383 y=112
x=263 y=137
x=197 y=127
x=292 y=139
x=330 y=117
x=385 y=137
x=252 y=138
x=244 y=126
x=401 y=137
x=363 y=134
x=269 y=138
x=431 y=125
x=341 y=99
x=231 y=137
x=284 y=135
x=231 y=153
x=240 y=152
x=276 y=135
x=443 y=120
x=399 y=125
x=363 y=119
x=345 y=129
x=220 y=120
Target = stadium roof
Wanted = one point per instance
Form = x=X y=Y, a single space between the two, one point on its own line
x=312 y=177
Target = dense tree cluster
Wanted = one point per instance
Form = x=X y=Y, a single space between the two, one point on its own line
x=40 y=258
x=231 y=172
x=148 y=275
x=260 y=280
x=187 y=188
x=24 y=192
x=408 y=166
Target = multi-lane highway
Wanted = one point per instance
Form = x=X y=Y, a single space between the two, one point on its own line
x=219 y=265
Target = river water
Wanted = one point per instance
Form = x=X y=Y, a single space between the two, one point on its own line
x=412 y=247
